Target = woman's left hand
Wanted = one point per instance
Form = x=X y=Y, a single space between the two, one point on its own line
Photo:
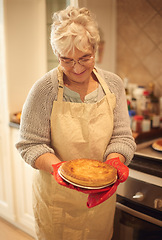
x=122 y=170
x=116 y=155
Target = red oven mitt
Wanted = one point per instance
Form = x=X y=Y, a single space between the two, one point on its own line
x=96 y=196
x=95 y=199
x=122 y=170
x=71 y=186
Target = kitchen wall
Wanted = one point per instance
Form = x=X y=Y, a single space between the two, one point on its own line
x=105 y=14
x=25 y=48
x=139 y=42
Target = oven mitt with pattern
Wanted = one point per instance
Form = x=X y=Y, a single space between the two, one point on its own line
x=95 y=199
x=122 y=170
x=96 y=196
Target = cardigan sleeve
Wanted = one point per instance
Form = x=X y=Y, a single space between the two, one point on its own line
x=122 y=140
x=34 y=134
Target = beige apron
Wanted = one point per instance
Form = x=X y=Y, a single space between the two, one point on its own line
x=78 y=130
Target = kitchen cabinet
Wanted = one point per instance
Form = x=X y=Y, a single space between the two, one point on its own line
x=6 y=184
x=16 y=187
x=22 y=183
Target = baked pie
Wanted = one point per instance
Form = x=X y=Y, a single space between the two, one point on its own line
x=157 y=145
x=89 y=173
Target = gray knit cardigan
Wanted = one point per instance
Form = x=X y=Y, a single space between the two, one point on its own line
x=34 y=137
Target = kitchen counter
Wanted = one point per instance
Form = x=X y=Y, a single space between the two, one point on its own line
x=14 y=125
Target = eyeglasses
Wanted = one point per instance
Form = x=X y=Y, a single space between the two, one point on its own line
x=84 y=61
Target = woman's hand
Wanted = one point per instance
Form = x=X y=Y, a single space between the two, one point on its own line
x=115 y=155
x=122 y=170
x=45 y=162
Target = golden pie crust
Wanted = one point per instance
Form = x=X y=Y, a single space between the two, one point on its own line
x=89 y=173
x=157 y=145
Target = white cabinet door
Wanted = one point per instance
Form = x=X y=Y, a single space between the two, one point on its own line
x=6 y=190
x=6 y=184
x=23 y=174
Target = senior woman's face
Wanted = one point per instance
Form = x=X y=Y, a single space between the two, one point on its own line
x=78 y=66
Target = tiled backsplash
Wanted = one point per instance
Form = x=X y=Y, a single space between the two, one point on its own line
x=139 y=42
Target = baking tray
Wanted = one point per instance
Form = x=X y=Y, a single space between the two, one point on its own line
x=145 y=149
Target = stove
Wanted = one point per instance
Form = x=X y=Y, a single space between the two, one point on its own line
x=139 y=200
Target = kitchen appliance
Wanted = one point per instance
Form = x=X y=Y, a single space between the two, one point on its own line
x=139 y=200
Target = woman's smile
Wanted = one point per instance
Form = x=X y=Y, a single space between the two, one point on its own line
x=78 y=73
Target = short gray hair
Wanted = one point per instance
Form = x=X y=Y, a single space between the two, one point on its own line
x=74 y=27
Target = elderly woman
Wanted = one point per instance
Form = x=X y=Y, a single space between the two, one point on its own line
x=74 y=111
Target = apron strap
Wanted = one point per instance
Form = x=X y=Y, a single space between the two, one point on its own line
x=102 y=82
x=61 y=83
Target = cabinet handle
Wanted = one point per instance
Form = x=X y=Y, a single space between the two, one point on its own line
x=158 y=203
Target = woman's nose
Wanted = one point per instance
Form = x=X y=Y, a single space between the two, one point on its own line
x=78 y=68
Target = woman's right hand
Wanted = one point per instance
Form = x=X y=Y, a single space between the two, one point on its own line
x=45 y=162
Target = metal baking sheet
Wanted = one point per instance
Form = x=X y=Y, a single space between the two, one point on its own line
x=145 y=149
